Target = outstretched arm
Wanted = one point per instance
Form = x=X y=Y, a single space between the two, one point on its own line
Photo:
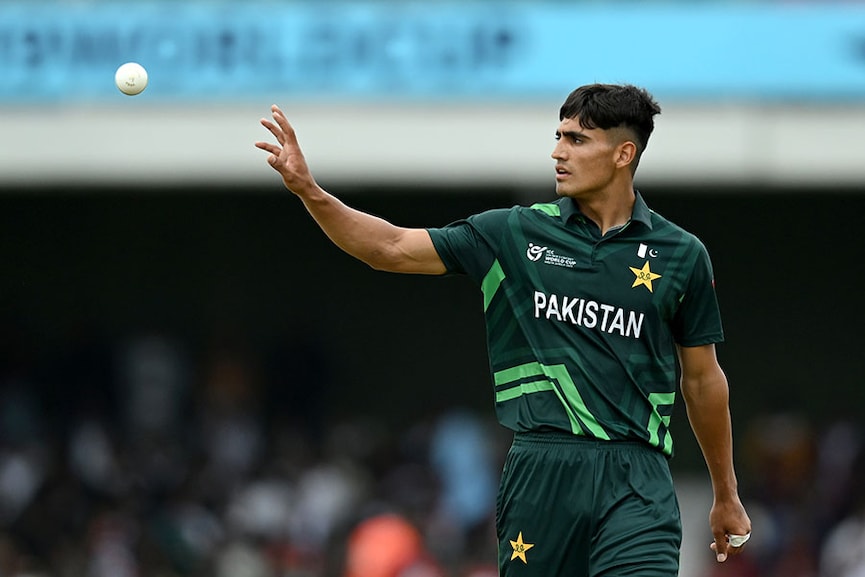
x=706 y=394
x=373 y=240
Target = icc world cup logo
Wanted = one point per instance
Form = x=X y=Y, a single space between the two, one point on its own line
x=534 y=252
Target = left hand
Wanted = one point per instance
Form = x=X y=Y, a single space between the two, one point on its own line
x=728 y=518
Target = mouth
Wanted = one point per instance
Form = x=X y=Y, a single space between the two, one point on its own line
x=561 y=173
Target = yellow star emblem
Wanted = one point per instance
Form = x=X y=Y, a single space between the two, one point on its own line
x=520 y=548
x=644 y=276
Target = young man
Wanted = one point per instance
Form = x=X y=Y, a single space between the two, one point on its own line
x=593 y=305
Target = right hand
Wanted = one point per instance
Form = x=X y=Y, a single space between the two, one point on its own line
x=286 y=157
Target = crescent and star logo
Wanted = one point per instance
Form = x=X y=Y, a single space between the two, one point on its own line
x=644 y=249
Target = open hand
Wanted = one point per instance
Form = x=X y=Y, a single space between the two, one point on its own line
x=286 y=157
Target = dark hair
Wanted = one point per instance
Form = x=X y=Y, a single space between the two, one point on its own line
x=607 y=106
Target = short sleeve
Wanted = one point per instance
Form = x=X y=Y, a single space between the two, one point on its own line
x=469 y=246
x=698 y=319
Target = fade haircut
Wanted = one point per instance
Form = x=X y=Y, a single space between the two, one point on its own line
x=607 y=106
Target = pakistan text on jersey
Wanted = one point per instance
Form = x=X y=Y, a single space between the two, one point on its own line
x=589 y=314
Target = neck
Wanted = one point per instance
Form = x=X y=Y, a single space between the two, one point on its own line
x=610 y=210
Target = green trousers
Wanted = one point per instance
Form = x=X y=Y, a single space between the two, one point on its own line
x=570 y=506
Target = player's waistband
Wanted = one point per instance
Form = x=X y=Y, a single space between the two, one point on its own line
x=554 y=437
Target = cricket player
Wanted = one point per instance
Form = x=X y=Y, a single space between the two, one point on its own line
x=598 y=312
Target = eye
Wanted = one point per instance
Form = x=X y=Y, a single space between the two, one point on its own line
x=575 y=138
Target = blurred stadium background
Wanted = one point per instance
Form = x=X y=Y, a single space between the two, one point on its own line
x=194 y=382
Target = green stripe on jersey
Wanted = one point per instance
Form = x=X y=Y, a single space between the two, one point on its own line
x=523 y=389
x=655 y=420
x=567 y=393
x=550 y=209
x=491 y=283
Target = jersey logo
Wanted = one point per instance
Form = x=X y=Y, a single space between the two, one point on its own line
x=645 y=276
x=534 y=252
x=520 y=549
x=644 y=249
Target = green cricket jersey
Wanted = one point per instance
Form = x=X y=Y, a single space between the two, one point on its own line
x=582 y=329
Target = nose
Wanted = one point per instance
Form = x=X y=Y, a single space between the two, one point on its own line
x=558 y=151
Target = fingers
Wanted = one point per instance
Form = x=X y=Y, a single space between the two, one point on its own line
x=274 y=129
x=719 y=546
x=273 y=149
x=277 y=132
x=273 y=157
x=730 y=544
x=268 y=147
x=285 y=156
x=282 y=129
x=284 y=125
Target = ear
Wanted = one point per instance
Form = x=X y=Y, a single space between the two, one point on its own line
x=625 y=154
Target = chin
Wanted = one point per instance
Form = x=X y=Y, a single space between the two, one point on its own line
x=565 y=191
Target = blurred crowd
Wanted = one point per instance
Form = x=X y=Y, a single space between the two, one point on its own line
x=137 y=461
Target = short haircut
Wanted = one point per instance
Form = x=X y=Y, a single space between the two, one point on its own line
x=607 y=106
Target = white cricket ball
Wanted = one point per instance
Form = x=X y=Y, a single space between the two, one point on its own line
x=131 y=78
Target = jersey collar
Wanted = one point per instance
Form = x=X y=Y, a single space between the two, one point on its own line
x=641 y=212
